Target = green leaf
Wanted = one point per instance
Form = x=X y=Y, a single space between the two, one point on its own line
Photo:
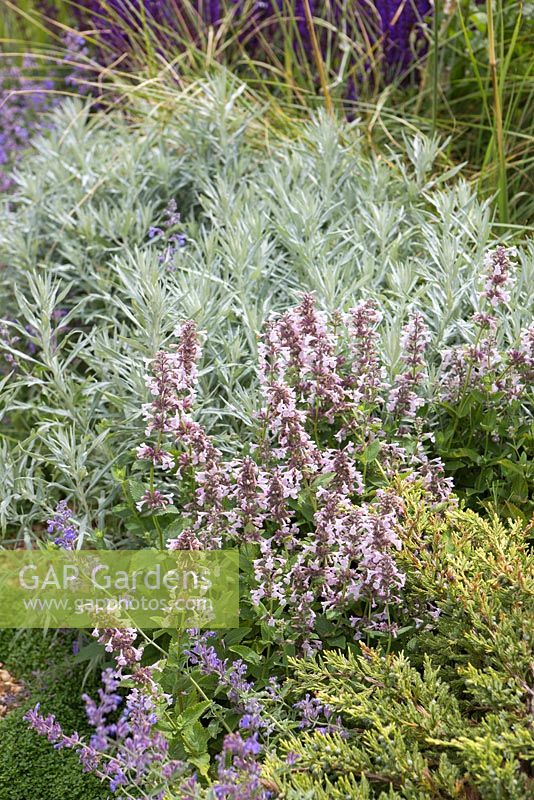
x=370 y=453
x=195 y=739
x=194 y=712
x=88 y=652
x=338 y=641
x=202 y=763
x=452 y=466
x=118 y=473
x=135 y=490
x=177 y=526
x=465 y=452
x=322 y=481
x=510 y=467
x=246 y=653
x=236 y=635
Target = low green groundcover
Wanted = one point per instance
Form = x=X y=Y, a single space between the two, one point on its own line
x=30 y=769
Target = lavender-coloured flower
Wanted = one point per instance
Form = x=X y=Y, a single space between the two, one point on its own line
x=76 y=58
x=173 y=240
x=97 y=713
x=8 y=341
x=46 y=726
x=311 y=709
x=62 y=526
x=128 y=751
x=239 y=770
x=230 y=678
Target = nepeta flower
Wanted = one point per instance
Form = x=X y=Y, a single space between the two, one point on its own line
x=311 y=709
x=61 y=524
x=8 y=340
x=230 y=678
x=97 y=713
x=239 y=771
x=173 y=240
x=76 y=56
x=129 y=752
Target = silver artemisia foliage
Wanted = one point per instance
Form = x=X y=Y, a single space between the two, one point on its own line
x=262 y=223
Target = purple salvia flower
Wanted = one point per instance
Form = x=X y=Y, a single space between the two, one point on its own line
x=396 y=28
x=401 y=29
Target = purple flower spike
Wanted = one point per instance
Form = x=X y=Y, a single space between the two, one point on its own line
x=61 y=525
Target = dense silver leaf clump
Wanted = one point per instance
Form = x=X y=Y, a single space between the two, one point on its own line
x=89 y=291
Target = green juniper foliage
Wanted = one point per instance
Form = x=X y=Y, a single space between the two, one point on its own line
x=90 y=290
x=449 y=714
